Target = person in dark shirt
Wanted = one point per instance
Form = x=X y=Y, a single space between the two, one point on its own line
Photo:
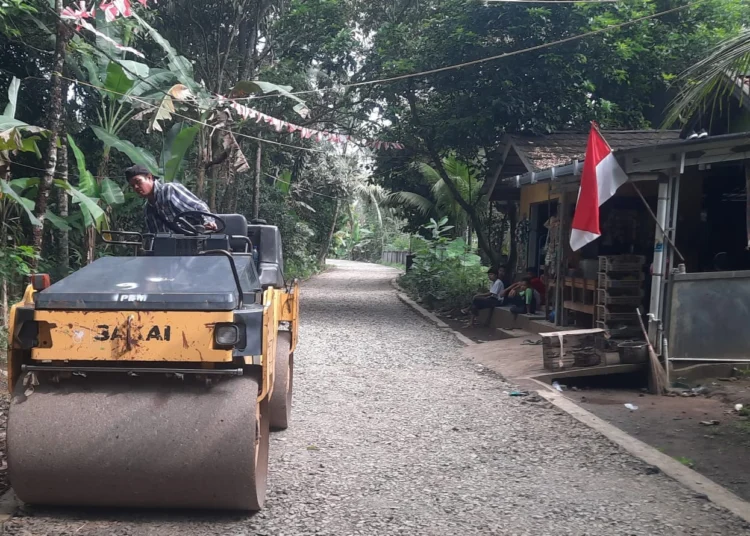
x=164 y=201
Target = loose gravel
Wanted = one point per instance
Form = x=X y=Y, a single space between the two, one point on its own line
x=393 y=434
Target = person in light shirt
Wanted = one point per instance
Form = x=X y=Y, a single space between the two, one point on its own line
x=487 y=300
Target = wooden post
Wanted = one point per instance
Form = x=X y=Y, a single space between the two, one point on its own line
x=559 y=291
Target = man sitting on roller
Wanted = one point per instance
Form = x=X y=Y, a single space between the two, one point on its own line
x=164 y=201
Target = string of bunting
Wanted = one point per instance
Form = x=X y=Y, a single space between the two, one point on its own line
x=245 y=112
x=115 y=8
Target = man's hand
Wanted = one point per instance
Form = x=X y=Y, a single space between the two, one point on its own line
x=210 y=226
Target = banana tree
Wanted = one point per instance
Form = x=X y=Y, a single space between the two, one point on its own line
x=91 y=196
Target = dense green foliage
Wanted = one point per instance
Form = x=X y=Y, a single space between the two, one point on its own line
x=64 y=140
x=446 y=272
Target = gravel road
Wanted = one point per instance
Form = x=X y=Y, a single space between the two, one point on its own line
x=395 y=434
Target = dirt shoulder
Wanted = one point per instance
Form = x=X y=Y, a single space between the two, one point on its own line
x=704 y=432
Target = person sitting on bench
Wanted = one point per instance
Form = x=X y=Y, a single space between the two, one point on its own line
x=487 y=300
x=524 y=301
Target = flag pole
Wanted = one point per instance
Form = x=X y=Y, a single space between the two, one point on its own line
x=656 y=220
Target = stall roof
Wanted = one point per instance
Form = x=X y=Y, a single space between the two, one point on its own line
x=542 y=152
x=652 y=157
x=526 y=153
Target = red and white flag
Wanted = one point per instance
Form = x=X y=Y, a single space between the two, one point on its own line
x=601 y=178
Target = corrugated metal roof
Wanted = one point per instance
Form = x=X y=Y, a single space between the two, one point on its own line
x=543 y=152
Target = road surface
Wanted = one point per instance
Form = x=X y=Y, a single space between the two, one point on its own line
x=394 y=434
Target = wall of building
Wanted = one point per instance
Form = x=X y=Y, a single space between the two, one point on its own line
x=535 y=193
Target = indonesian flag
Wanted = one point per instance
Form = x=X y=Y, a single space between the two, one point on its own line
x=601 y=178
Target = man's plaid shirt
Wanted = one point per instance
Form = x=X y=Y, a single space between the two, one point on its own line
x=170 y=199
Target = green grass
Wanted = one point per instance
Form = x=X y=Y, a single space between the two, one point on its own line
x=393 y=265
x=685 y=461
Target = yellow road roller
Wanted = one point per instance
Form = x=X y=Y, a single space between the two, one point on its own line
x=153 y=380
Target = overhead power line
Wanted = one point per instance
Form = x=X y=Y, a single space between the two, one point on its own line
x=491 y=58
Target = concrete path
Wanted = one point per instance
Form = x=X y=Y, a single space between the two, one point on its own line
x=394 y=433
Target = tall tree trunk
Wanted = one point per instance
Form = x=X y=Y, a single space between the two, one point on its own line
x=55 y=117
x=247 y=66
x=256 y=188
x=204 y=157
x=89 y=240
x=4 y=308
x=62 y=207
x=327 y=245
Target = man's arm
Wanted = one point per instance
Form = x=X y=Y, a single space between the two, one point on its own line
x=184 y=200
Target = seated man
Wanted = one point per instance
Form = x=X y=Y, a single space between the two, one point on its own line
x=487 y=300
x=535 y=283
x=164 y=201
x=525 y=300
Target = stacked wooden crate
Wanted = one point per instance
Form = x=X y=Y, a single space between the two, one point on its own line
x=619 y=293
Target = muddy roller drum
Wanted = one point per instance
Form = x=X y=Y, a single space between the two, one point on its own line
x=280 y=405
x=154 y=442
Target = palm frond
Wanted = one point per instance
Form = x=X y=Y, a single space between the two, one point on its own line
x=409 y=199
x=708 y=83
x=429 y=172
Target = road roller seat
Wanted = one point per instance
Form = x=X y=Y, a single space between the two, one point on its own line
x=267 y=239
x=236 y=230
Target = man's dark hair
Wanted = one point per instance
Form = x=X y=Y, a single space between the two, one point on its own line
x=492 y=271
x=527 y=280
x=133 y=171
x=531 y=270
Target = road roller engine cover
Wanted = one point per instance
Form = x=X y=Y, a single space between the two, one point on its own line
x=153 y=380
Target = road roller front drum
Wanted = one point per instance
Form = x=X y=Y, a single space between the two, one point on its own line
x=151 y=442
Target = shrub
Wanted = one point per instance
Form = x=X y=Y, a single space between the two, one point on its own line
x=446 y=274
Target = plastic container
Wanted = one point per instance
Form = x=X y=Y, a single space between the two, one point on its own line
x=633 y=352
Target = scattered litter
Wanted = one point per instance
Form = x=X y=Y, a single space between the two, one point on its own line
x=557 y=386
x=528 y=342
x=28 y=392
x=79 y=373
x=631 y=407
x=709 y=423
x=519 y=393
x=312 y=447
x=738 y=407
x=700 y=390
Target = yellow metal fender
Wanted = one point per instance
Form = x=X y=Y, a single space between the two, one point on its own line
x=271 y=306
x=15 y=357
x=279 y=305
x=290 y=310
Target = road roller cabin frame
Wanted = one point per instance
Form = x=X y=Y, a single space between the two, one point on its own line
x=189 y=307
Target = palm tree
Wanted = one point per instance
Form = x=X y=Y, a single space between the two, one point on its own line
x=443 y=203
x=707 y=83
